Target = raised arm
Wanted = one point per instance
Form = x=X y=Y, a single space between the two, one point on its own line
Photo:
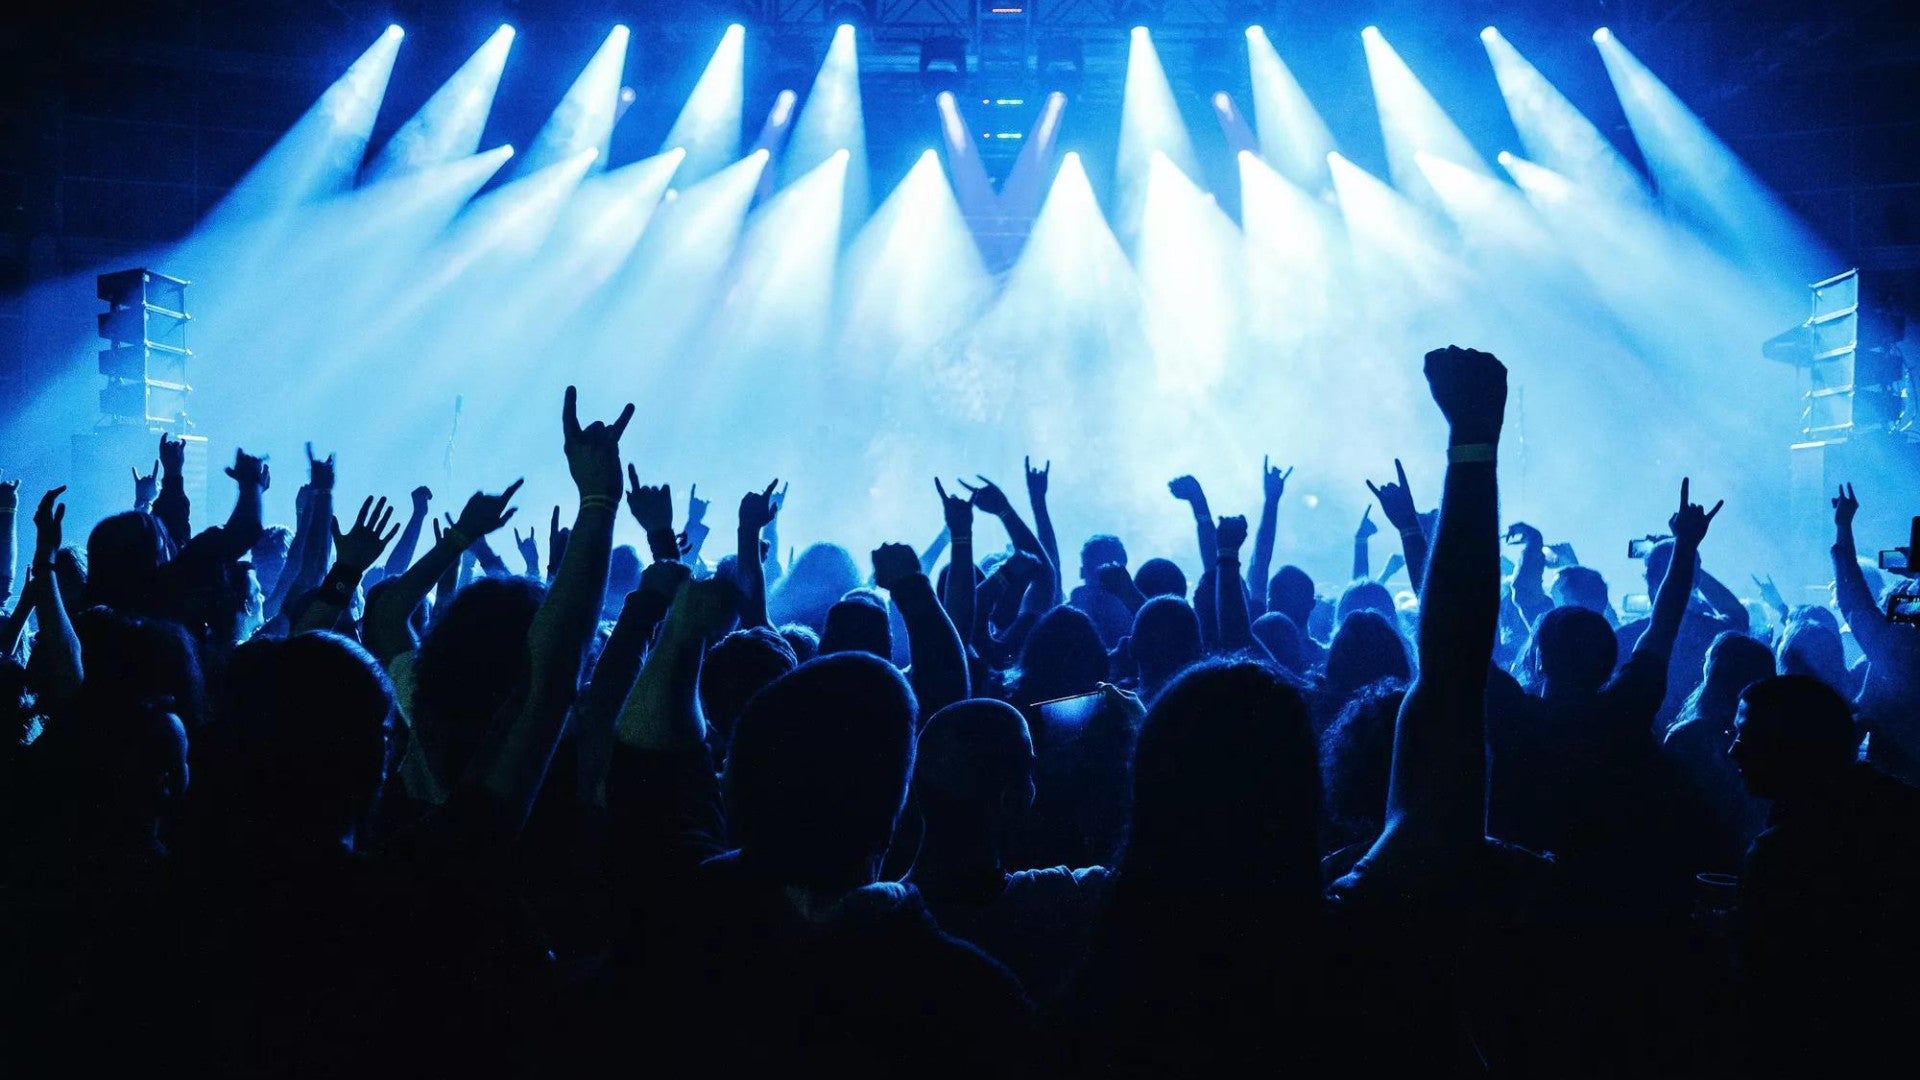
x=1362 y=564
x=770 y=568
x=696 y=530
x=1396 y=502
x=1273 y=484
x=958 y=514
x=1037 y=480
x=757 y=511
x=55 y=663
x=356 y=550
x=662 y=713
x=253 y=476
x=312 y=538
x=1436 y=793
x=614 y=672
x=939 y=672
x=146 y=488
x=1529 y=577
x=9 y=539
x=386 y=627
x=1189 y=491
x=171 y=504
x=557 y=537
x=652 y=508
x=1230 y=596
x=529 y=548
x=989 y=499
x=403 y=549
x=1857 y=603
x=1688 y=526
x=566 y=620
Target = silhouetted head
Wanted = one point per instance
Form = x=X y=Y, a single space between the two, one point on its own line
x=1811 y=647
x=1283 y=642
x=302 y=740
x=470 y=675
x=1365 y=596
x=802 y=640
x=1291 y=594
x=270 y=551
x=1365 y=650
x=1792 y=734
x=1356 y=757
x=739 y=666
x=1734 y=662
x=1320 y=620
x=1582 y=586
x=1575 y=649
x=1099 y=551
x=1819 y=616
x=858 y=622
x=1063 y=656
x=124 y=556
x=1226 y=788
x=1166 y=638
x=133 y=663
x=1160 y=577
x=973 y=772
x=814 y=583
x=1659 y=557
x=819 y=770
x=623 y=572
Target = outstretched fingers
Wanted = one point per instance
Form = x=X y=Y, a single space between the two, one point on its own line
x=570 y=414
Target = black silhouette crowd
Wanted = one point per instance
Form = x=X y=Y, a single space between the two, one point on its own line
x=358 y=797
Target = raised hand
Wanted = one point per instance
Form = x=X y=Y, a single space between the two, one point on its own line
x=1526 y=535
x=48 y=522
x=320 y=474
x=988 y=497
x=173 y=454
x=1037 y=478
x=1396 y=499
x=958 y=511
x=1770 y=593
x=1470 y=387
x=1366 y=528
x=593 y=452
x=1845 y=506
x=359 y=548
x=893 y=564
x=652 y=507
x=1233 y=533
x=558 y=536
x=1689 y=524
x=779 y=499
x=250 y=471
x=422 y=495
x=529 y=548
x=757 y=508
x=146 y=488
x=1186 y=489
x=1273 y=482
x=484 y=513
x=696 y=507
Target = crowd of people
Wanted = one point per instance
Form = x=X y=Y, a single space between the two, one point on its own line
x=361 y=798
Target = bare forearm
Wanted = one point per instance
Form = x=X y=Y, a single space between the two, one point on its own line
x=1049 y=545
x=1205 y=532
x=960 y=584
x=1670 y=603
x=662 y=712
x=1230 y=601
x=556 y=645
x=1362 y=564
x=1413 y=548
x=939 y=660
x=1261 y=567
x=388 y=630
x=1856 y=601
x=403 y=548
x=55 y=663
x=613 y=675
x=753 y=579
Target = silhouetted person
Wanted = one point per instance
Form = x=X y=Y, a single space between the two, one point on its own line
x=973 y=783
x=1828 y=936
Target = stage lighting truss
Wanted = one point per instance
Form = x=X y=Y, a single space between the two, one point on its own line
x=145 y=361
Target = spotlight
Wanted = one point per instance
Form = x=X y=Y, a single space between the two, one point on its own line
x=1059 y=61
x=943 y=65
x=1602 y=36
x=1370 y=32
x=394 y=31
x=1504 y=157
x=1488 y=33
x=1138 y=14
x=847 y=15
